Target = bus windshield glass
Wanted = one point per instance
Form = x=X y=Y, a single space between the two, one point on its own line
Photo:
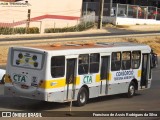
x=27 y=59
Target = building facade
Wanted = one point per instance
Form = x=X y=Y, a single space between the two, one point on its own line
x=44 y=14
x=155 y=3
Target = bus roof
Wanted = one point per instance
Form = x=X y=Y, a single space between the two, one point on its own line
x=89 y=45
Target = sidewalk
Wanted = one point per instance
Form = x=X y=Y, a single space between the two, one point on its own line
x=144 y=27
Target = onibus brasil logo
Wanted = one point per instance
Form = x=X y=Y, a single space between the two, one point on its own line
x=15 y=4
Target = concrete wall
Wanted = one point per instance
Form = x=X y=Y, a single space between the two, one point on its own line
x=129 y=21
x=44 y=13
x=134 y=21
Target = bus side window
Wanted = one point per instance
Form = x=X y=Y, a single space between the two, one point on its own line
x=126 y=60
x=116 y=61
x=136 y=59
x=57 y=66
x=94 y=62
x=83 y=64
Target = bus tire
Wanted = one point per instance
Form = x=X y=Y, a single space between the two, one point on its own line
x=82 y=97
x=131 y=90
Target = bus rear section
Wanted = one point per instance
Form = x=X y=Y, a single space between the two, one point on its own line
x=25 y=72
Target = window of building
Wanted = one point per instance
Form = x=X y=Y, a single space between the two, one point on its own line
x=57 y=66
x=126 y=60
x=116 y=61
x=136 y=59
x=83 y=64
x=94 y=62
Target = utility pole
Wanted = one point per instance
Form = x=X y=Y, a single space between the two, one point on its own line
x=134 y=2
x=111 y=3
x=28 y=19
x=100 y=17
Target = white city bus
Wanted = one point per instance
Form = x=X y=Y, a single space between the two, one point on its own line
x=78 y=72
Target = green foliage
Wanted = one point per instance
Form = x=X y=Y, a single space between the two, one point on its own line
x=80 y=27
x=6 y=31
x=32 y=30
x=18 y=30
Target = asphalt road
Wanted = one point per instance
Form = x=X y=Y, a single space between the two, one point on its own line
x=146 y=100
x=114 y=32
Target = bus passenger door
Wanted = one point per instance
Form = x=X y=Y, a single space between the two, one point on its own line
x=146 y=70
x=70 y=78
x=105 y=63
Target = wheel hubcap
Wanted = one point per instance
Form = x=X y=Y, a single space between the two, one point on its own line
x=82 y=98
x=131 y=90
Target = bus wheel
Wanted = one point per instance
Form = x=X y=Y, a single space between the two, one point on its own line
x=82 y=97
x=131 y=90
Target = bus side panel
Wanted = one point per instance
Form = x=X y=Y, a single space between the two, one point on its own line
x=55 y=97
x=118 y=88
x=60 y=95
x=92 y=82
x=93 y=91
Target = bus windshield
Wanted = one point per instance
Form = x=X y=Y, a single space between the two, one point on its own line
x=27 y=59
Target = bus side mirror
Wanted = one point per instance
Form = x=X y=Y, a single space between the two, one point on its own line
x=154 y=60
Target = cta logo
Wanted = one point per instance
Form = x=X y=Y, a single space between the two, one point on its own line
x=87 y=79
x=18 y=78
